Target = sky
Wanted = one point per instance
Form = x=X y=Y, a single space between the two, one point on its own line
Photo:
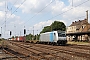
x=17 y=15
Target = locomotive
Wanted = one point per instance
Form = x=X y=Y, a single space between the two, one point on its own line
x=54 y=37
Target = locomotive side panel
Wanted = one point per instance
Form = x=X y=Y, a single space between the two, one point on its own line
x=53 y=37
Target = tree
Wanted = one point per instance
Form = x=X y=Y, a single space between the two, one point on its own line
x=46 y=29
x=12 y=37
x=57 y=25
x=34 y=38
x=29 y=37
x=38 y=35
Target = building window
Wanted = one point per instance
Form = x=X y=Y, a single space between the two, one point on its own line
x=82 y=27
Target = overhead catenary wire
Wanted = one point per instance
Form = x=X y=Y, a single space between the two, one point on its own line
x=62 y=12
x=10 y=9
x=6 y=7
x=39 y=11
x=82 y=3
x=69 y=9
x=77 y=17
x=13 y=4
x=15 y=11
x=47 y=6
x=72 y=3
x=18 y=7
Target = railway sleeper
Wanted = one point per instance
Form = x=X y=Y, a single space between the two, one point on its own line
x=45 y=54
x=75 y=53
x=48 y=54
x=35 y=53
x=70 y=52
x=8 y=57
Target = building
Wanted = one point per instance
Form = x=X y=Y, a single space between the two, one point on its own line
x=79 y=30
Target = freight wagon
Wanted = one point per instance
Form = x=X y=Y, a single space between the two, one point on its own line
x=54 y=37
x=20 y=38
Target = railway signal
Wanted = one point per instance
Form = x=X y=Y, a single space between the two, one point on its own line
x=10 y=33
x=24 y=32
x=0 y=35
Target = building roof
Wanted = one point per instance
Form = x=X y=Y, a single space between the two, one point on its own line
x=87 y=28
x=80 y=22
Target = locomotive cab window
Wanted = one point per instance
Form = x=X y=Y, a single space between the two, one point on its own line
x=54 y=34
x=61 y=35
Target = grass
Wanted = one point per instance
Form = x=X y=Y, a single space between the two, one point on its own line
x=33 y=41
x=0 y=42
x=79 y=43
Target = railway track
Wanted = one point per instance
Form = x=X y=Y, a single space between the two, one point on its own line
x=80 y=46
x=72 y=48
x=13 y=53
x=56 y=49
x=7 y=55
x=42 y=53
x=64 y=49
x=48 y=52
x=10 y=54
x=22 y=51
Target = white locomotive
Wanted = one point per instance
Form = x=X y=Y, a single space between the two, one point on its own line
x=54 y=37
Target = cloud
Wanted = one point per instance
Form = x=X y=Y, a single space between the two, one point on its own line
x=42 y=24
x=32 y=7
x=77 y=12
x=2 y=3
x=57 y=7
x=1 y=14
x=11 y=21
x=35 y=6
x=39 y=26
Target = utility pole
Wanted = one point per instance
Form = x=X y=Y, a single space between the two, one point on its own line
x=15 y=30
x=87 y=15
x=1 y=32
x=72 y=3
x=33 y=32
x=87 y=23
x=37 y=35
x=87 y=18
x=5 y=15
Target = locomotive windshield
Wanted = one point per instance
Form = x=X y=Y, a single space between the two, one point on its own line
x=61 y=35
